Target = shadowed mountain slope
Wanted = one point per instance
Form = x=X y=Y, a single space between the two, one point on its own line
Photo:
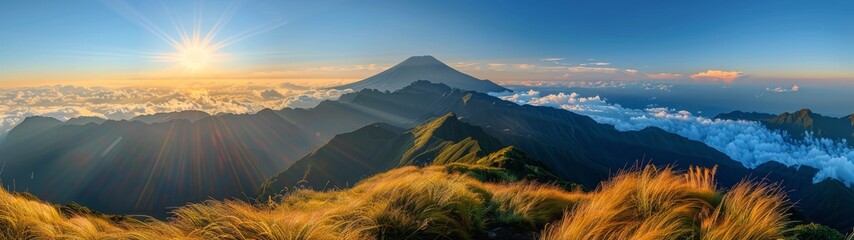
x=141 y=168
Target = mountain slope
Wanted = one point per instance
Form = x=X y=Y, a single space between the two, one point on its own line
x=800 y=122
x=376 y=148
x=423 y=68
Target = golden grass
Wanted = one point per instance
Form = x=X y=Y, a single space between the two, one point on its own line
x=409 y=202
x=660 y=204
x=531 y=205
x=24 y=218
x=429 y=203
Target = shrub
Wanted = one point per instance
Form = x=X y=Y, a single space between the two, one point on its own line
x=814 y=232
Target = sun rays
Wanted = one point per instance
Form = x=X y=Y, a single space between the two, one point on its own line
x=196 y=49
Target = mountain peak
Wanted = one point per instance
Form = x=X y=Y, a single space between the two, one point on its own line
x=804 y=112
x=422 y=68
x=421 y=60
x=448 y=127
x=31 y=126
x=445 y=121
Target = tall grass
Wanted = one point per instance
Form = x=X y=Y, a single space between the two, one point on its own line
x=531 y=205
x=430 y=203
x=409 y=202
x=25 y=218
x=657 y=203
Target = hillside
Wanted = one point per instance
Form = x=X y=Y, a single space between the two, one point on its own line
x=376 y=148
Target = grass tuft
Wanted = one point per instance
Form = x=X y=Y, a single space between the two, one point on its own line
x=654 y=203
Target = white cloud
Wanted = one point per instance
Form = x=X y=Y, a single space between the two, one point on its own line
x=525 y=66
x=716 y=75
x=663 y=75
x=783 y=90
x=271 y=94
x=497 y=66
x=593 y=69
x=293 y=86
x=747 y=142
x=552 y=59
x=65 y=102
x=371 y=67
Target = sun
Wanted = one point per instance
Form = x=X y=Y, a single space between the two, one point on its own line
x=194 y=49
x=195 y=58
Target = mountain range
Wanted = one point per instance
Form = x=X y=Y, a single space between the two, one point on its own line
x=800 y=122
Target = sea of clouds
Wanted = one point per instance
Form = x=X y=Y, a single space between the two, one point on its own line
x=66 y=102
x=746 y=141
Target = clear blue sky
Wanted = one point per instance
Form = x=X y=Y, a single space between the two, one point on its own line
x=503 y=40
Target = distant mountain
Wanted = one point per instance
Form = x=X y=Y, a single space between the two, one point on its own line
x=221 y=156
x=423 y=68
x=32 y=126
x=750 y=116
x=83 y=120
x=802 y=121
x=190 y=115
x=142 y=168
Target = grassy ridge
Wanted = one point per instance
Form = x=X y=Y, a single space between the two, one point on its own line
x=433 y=203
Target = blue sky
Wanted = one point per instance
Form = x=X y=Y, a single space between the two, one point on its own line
x=499 y=40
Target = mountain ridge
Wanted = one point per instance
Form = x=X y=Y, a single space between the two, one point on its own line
x=444 y=140
x=799 y=123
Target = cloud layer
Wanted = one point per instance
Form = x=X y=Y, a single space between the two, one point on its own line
x=65 y=102
x=748 y=142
